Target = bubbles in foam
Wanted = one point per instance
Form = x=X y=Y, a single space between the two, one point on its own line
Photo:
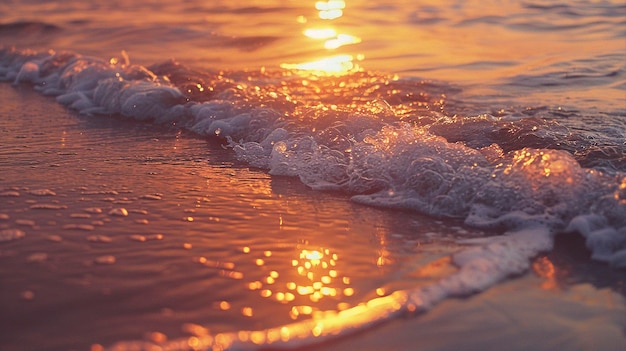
x=29 y=72
x=605 y=241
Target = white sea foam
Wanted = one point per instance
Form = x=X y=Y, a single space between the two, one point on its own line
x=606 y=243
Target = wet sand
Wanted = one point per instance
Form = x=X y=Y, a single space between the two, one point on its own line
x=132 y=229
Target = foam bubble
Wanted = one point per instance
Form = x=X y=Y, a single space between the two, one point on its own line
x=29 y=72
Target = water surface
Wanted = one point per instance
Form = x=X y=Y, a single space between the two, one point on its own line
x=199 y=175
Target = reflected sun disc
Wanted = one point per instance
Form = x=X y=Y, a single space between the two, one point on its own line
x=340 y=64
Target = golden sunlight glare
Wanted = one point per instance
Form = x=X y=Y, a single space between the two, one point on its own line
x=330 y=9
x=334 y=65
x=324 y=33
x=330 y=65
x=341 y=40
x=311 y=255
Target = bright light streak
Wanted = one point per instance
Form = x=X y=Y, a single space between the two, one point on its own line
x=312 y=255
x=330 y=9
x=339 y=64
x=331 y=14
x=341 y=40
x=330 y=5
x=324 y=33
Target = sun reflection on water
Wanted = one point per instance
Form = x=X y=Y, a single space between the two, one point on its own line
x=330 y=9
x=330 y=65
x=341 y=40
x=321 y=33
x=339 y=64
x=544 y=268
x=313 y=276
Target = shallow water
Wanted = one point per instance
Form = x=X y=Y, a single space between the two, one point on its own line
x=226 y=189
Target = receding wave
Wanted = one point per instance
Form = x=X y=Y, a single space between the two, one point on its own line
x=385 y=140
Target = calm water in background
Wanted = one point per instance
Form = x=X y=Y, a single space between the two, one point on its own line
x=561 y=62
x=527 y=53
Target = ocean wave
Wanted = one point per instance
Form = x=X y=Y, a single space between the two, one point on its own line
x=385 y=141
